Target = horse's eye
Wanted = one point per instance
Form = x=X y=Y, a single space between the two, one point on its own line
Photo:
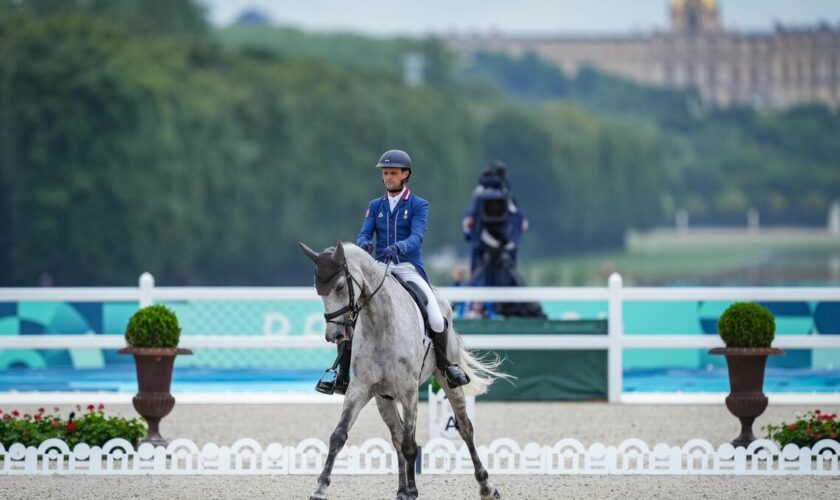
x=339 y=287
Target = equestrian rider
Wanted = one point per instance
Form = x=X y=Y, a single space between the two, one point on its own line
x=398 y=219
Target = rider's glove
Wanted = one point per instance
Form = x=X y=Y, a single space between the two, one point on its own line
x=367 y=246
x=391 y=253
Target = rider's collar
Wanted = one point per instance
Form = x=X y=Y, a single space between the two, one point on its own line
x=404 y=194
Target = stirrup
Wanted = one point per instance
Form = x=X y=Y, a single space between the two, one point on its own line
x=327 y=386
x=456 y=377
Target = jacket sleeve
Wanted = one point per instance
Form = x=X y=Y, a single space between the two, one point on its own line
x=418 y=229
x=368 y=225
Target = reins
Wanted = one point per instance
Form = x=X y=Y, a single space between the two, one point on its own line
x=352 y=307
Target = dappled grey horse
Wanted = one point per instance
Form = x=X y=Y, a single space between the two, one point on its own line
x=390 y=358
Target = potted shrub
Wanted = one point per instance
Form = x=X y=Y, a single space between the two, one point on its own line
x=747 y=329
x=152 y=336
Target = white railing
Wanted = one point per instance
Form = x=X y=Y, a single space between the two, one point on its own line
x=503 y=456
x=615 y=294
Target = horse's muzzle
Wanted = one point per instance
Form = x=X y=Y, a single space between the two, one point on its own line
x=340 y=334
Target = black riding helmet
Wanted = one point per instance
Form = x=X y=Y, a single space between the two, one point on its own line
x=395 y=158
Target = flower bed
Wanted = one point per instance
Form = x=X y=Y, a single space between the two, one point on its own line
x=808 y=429
x=91 y=427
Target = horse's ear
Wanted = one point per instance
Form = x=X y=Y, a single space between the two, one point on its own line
x=338 y=255
x=312 y=254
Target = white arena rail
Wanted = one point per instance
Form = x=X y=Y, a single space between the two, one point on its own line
x=615 y=294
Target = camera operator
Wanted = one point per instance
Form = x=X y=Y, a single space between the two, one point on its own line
x=493 y=226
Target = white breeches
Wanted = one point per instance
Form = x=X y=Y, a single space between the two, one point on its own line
x=406 y=271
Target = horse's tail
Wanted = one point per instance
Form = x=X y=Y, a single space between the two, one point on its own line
x=482 y=370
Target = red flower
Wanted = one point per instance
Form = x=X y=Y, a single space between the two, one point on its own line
x=91 y=407
x=1 y=412
x=56 y=409
x=71 y=426
x=833 y=435
x=791 y=426
x=817 y=412
x=809 y=431
x=101 y=406
x=15 y=413
x=41 y=410
x=37 y=417
x=54 y=423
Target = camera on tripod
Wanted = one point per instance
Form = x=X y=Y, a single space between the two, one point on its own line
x=493 y=226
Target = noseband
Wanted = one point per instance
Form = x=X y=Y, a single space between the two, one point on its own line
x=349 y=320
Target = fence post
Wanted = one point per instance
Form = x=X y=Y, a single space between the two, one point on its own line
x=147 y=285
x=615 y=322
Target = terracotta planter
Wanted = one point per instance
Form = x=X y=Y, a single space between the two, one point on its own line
x=154 y=378
x=746 y=398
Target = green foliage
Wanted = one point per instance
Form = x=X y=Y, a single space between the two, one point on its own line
x=153 y=326
x=203 y=160
x=747 y=325
x=93 y=427
x=528 y=77
x=806 y=430
x=376 y=57
x=170 y=17
x=714 y=163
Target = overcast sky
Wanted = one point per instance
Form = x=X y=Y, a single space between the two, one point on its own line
x=418 y=17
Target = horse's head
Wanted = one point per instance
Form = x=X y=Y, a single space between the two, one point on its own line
x=334 y=284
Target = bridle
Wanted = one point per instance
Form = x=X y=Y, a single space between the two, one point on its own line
x=348 y=321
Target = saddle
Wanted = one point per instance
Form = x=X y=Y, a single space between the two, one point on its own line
x=455 y=377
x=419 y=297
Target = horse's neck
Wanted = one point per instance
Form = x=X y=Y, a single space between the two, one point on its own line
x=379 y=312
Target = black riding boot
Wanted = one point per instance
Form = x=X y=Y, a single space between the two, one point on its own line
x=455 y=377
x=337 y=381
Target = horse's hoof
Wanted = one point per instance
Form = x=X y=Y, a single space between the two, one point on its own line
x=318 y=497
x=494 y=495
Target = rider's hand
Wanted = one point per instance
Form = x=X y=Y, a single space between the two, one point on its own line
x=390 y=253
x=367 y=246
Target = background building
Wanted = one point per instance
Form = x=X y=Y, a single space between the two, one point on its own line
x=786 y=67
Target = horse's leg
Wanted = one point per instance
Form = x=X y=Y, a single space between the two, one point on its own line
x=409 y=442
x=391 y=417
x=465 y=428
x=356 y=398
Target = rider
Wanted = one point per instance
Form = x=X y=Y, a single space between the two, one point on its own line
x=398 y=219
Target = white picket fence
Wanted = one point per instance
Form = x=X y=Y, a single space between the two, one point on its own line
x=615 y=342
x=438 y=456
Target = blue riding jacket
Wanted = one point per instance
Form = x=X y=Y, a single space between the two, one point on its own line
x=405 y=227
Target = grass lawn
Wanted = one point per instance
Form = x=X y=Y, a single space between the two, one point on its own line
x=700 y=256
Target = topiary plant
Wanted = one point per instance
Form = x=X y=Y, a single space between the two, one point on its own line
x=153 y=326
x=745 y=324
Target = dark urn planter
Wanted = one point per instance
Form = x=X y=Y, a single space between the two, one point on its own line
x=154 y=378
x=746 y=398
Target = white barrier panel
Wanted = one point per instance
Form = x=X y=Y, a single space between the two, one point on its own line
x=442 y=418
x=615 y=294
x=439 y=456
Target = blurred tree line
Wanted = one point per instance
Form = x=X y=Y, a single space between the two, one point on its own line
x=715 y=163
x=135 y=137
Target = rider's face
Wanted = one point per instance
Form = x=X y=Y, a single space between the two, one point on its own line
x=393 y=178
